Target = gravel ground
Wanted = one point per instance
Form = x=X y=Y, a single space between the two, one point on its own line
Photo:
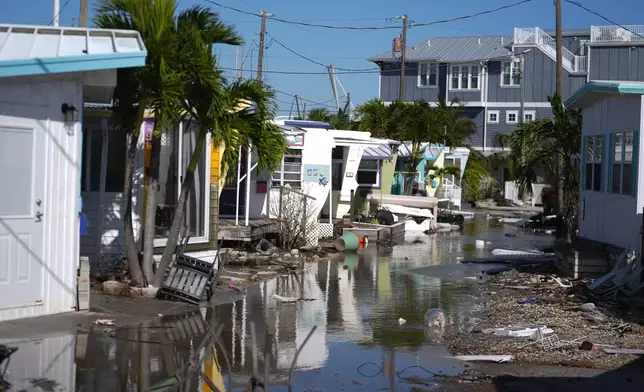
x=614 y=324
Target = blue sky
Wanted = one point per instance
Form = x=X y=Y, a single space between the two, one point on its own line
x=348 y=49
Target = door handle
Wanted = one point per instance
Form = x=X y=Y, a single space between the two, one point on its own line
x=38 y=216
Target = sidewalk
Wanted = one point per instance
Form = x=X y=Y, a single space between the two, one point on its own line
x=124 y=311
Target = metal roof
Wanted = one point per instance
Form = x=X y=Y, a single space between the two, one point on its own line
x=37 y=50
x=431 y=150
x=376 y=153
x=454 y=49
x=97 y=106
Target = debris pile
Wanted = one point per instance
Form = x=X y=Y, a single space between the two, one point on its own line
x=540 y=318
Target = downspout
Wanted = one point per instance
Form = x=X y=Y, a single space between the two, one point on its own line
x=379 y=82
x=588 y=64
x=485 y=98
x=101 y=190
x=448 y=77
x=239 y=155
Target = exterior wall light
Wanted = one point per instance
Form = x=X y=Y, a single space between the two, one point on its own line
x=70 y=112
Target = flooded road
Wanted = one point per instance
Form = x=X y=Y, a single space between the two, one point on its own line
x=355 y=305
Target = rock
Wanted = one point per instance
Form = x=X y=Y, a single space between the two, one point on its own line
x=598 y=318
x=279 y=260
x=587 y=307
x=295 y=252
x=113 y=287
x=287 y=256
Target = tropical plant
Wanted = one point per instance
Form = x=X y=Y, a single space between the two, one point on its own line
x=552 y=145
x=477 y=177
x=158 y=86
x=380 y=119
x=420 y=123
x=435 y=172
x=318 y=114
x=237 y=115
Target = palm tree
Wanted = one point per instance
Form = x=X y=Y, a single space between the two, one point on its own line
x=434 y=172
x=552 y=145
x=476 y=172
x=380 y=119
x=156 y=85
x=233 y=113
x=318 y=114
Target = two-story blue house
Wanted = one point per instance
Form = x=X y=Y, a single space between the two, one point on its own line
x=495 y=74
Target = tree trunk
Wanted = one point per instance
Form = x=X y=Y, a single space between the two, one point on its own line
x=136 y=275
x=179 y=212
x=150 y=210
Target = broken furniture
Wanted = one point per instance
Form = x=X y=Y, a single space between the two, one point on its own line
x=189 y=279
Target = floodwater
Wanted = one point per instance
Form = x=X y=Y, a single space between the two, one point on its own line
x=354 y=304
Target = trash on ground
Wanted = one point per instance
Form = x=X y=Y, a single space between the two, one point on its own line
x=587 y=307
x=233 y=286
x=485 y=358
x=530 y=301
x=401 y=321
x=615 y=350
x=284 y=299
x=518 y=331
x=510 y=234
x=108 y=322
x=588 y=346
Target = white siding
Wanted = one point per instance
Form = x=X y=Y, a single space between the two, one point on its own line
x=606 y=217
x=62 y=177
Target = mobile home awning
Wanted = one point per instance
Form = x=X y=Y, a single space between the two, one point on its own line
x=381 y=152
x=44 y=50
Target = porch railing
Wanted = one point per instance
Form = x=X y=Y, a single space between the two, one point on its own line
x=607 y=34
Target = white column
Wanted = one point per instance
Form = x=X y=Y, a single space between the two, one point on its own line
x=248 y=169
x=238 y=174
x=56 y=19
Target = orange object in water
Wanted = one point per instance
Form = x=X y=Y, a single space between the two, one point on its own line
x=364 y=241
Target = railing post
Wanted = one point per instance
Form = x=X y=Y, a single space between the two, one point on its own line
x=351 y=205
x=304 y=220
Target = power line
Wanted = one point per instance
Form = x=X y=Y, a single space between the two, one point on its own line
x=306 y=100
x=325 y=26
x=317 y=62
x=59 y=12
x=583 y=7
x=376 y=71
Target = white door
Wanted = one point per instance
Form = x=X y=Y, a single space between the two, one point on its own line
x=22 y=209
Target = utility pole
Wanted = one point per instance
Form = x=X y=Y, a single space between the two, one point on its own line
x=559 y=42
x=56 y=20
x=262 y=35
x=297 y=102
x=82 y=20
x=560 y=180
x=349 y=106
x=403 y=53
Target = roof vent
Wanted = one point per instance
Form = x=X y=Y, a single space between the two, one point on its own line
x=429 y=43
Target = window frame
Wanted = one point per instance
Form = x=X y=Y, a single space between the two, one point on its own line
x=427 y=66
x=507 y=116
x=515 y=67
x=498 y=115
x=623 y=162
x=459 y=77
x=532 y=112
x=295 y=184
x=594 y=187
x=377 y=170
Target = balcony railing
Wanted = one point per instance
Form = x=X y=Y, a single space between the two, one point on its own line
x=534 y=36
x=607 y=34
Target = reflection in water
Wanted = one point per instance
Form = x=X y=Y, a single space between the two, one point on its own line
x=355 y=303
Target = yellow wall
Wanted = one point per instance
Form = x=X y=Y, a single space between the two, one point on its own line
x=439 y=162
x=217 y=173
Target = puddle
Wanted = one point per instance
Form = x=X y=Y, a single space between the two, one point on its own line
x=355 y=305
